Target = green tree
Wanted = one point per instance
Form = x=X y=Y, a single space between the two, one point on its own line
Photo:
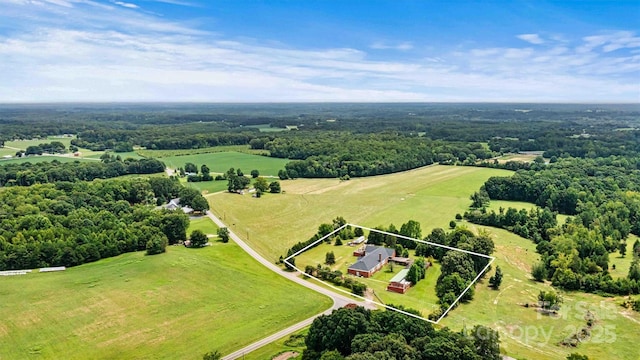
x=212 y=355
x=174 y=226
x=487 y=342
x=634 y=270
x=452 y=224
x=191 y=168
x=480 y=199
x=496 y=279
x=157 y=244
x=576 y=356
x=539 y=271
x=274 y=187
x=331 y=355
x=198 y=238
x=357 y=232
x=200 y=204
x=255 y=173
x=550 y=300
x=330 y=258
x=223 y=233
x=622 y=247
x=261 y=184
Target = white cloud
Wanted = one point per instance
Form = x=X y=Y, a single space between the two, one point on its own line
x=402 y=46
x=127 y=5
x=531 y=38
x=144 y=58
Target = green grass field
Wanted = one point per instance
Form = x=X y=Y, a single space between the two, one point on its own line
x=180 y=152
x=206 y=187
x=203 y=224
x=177 y=305
x=43 y=158
x=24 y=144
x=267 y=128
x=220 y=162
x=432 y=196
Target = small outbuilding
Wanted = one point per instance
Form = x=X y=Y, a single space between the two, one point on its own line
x=399 y=282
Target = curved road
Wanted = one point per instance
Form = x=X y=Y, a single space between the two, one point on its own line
x=338 y=300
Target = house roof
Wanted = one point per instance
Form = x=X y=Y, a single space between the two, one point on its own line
x=370 y=260
x=401 y=275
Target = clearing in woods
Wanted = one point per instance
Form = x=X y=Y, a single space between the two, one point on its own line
x=220 y=162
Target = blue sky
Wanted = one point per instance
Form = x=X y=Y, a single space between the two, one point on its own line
x=281 y=51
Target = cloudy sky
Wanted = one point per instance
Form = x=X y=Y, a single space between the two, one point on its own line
x=342 y=50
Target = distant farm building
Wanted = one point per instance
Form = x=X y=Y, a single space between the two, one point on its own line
x=357 y=241
x=399 y=283
x=174 y=204
x=371 y=259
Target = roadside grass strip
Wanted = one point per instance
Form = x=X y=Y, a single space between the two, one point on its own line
x=326 y=283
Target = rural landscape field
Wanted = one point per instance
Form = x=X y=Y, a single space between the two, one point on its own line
x=161 y=247
x=319 y=180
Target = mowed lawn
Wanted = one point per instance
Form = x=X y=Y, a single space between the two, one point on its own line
x=220 y=162
x=430 y=195
x=176 y=305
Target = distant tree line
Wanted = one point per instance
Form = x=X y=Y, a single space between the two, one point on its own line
x=26 y=174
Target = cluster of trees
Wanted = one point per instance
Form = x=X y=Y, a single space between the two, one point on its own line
x=336 y=277
x=409 y=229
x=458 y=269
x=601 y=193
x=360 y=334
x=417 y=271
x=54 y=147
x=26 y=174
x=533 y=224
x=346 y=154
x=568 y=187
x=193 y=136
x=194 y=175
x=67 y=224
x=236 y=180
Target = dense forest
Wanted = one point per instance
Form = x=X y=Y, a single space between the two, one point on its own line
x=26 y=174
x=337 y=140
x=360 y=334
x=71 y=223
x=603 y=196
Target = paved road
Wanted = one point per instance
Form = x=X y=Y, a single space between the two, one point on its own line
x=338 y=300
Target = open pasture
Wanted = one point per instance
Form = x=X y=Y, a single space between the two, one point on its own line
x=24 y=144
x=42 y=158
x=176 y=305
x=430 y=195
x=207 y=150
x=220 y=162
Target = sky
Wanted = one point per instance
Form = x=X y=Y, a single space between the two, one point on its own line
x=319 y=51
